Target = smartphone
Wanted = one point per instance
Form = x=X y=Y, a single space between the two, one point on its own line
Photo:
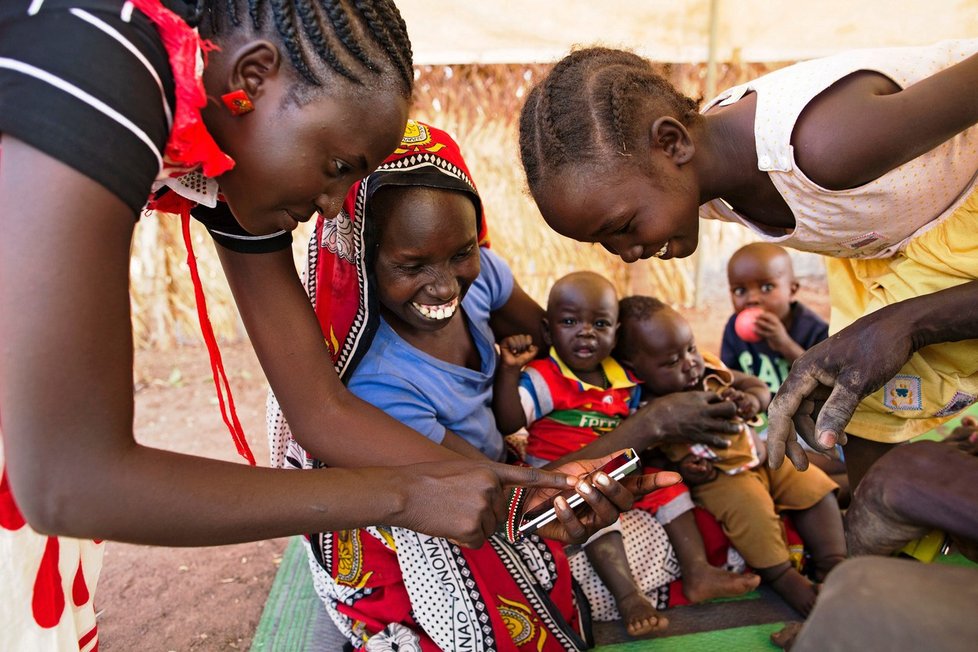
x=617 y=468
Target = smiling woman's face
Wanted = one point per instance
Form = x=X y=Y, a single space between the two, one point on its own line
x=631 y=213
x=427 y=255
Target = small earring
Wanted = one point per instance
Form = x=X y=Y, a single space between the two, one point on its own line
x=238 y=102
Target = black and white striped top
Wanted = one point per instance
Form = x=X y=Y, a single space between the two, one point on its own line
x=88 y=82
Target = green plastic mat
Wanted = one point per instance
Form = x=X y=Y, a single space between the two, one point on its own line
x=754 y=637
x=956 y=559
x=287 y=622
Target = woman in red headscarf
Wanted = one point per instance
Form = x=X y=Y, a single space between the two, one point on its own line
x=405 y=289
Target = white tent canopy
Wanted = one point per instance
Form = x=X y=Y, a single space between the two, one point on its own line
x=528 y=31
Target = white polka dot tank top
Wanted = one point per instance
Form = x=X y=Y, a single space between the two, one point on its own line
x=875 y=220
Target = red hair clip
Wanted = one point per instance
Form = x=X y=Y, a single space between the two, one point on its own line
x=238 y=102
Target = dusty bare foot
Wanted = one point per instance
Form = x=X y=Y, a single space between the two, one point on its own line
x=785 y=637
x=796 y=590
x=708 y=582
x=872 y=528
x=640 y=616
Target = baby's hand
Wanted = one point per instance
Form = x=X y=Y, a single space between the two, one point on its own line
x=747 y=404
x=696 y=470
x=516 y=351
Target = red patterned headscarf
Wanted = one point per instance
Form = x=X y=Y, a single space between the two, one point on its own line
x=338 y=279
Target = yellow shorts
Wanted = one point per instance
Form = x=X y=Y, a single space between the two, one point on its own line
x=939 y=380
x=748 y=505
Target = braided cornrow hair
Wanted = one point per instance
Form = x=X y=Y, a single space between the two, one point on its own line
x=352 y=38
x=385 y=23
x=588 y=106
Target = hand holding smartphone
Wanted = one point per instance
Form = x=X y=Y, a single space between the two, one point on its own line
x=617 y=468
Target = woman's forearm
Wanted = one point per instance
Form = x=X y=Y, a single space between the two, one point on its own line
x=150 y=496
x=520 y=314
x=455 y=443
x=633 y=432
x=692 y=417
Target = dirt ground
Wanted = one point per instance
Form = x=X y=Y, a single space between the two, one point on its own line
x=155 y=598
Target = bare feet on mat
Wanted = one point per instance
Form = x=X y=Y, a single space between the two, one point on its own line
x=708 y=582
x=640 y=616
x=784 y=638
x=796 y=590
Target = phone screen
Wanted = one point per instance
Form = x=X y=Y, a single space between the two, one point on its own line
x=617 y=468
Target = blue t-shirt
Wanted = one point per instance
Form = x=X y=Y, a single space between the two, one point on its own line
x=760 y=360
x=431 y=395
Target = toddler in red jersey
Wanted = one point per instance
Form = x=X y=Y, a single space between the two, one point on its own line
x=571 y=398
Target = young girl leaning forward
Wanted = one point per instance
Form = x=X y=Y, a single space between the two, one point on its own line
x=275 y=108
x=868 y=157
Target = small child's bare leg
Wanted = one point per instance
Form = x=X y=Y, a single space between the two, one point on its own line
x=701 y=581
x=791 y=585
x=821 y=529
x=607 y=556
x=835 y=469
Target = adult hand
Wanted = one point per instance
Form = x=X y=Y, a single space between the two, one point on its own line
x=826 y=384
x=696 y=417
x=604 y=499
x=464 y=500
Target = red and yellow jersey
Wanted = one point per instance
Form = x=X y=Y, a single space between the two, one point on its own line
x=564 y=413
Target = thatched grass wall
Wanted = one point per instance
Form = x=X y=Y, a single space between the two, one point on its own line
x=479 y=105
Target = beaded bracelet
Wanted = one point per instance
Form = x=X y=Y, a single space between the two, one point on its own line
x=517 y=496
